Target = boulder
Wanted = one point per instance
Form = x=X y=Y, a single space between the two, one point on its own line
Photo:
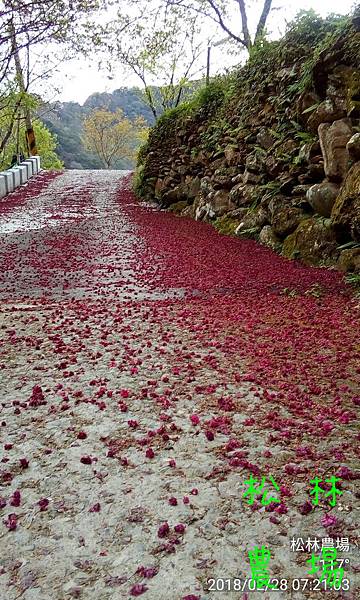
x=238 y=213
x=306 y=100
x=322 y=196
x=308 y=151
x=345 y=215
x=243 y=195
x=159 y=186
x=237 y=179
x=353 y=147
x=253 y=222
x=232 y=155
x=353 y=97
x=326 y=112
x=253 y=163
x=218 y=203
x=221 y=182
x=226 y=224
x=206 y=185
x=175 y=194
x=333 y=141
x=301 y=190
x=265 y=138
x=349 y=260
x=268 y=238
x=314 y=241
x=286 y=219
x=178 y=207
x=276 y=203
x=193 y=186
x=250 y=177
x=273 y=165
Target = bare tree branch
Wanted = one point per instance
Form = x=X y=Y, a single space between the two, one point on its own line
x=263 y=18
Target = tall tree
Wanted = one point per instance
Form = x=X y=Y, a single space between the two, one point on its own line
x=26 y=26
x=36 y=22
x=111 y=136
x=231 y=16
x=159 y=45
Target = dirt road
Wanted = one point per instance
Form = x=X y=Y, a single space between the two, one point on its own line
x=149 y=368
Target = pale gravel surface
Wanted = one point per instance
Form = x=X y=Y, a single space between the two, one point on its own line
x=68 y=552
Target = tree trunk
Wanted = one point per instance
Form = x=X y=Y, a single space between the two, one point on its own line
x=30 y=135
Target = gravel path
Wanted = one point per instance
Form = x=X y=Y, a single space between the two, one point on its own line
x=148 y=367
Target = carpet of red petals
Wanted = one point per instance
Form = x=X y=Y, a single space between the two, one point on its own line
x=148 y=367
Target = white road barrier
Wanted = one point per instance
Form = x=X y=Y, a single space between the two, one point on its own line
x=18 y=175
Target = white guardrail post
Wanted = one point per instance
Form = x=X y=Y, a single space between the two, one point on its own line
x=18 y=175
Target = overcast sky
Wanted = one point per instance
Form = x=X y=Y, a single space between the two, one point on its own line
x=79 y=79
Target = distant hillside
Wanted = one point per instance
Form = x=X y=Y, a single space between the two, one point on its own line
x=65 y=120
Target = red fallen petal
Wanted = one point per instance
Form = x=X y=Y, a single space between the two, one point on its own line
x=37 y=397
x=163 y=530
x=82 y=435
x=24 y=463
x=15 y=499
x=95 y=508
x=173 y=501
x=194 y=492
x=186 y=500
x=210 y=435
x=86 y=460
x=168 y=548
x=138 y=589
x=172 y=463
x=8 y=446
x=271 y=507
x=149 y=453
x=285 y=490
x=328 y=520
x=281 y=509
x=11 y=522
x=43 y=504
x=191 y=597
x=306 y=508
x=180 y=528
x=274 y=520
x=195 y=419
x=345 y=473
x=132 y=423
x=124 y=393
x=147 y=572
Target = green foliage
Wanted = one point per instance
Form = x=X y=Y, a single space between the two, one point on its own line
x=210 y=96
x=139 y=182
x=354 y=280
x=66 y=121
x=226 y=225
x=46 y=144
x=224 y=112
x=313 y=35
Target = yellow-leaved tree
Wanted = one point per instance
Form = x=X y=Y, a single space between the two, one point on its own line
x=111 y=136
